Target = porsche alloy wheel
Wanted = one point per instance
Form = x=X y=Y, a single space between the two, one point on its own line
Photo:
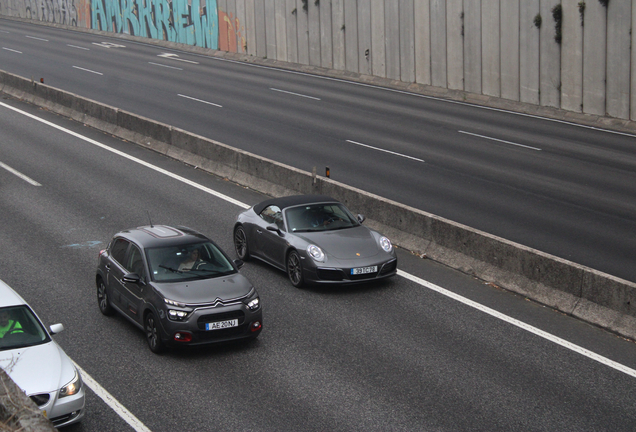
x=295 y=269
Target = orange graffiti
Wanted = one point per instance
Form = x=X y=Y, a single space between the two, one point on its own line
x=230 y=35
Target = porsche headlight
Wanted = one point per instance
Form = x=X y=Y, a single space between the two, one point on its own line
x=385 y=244
x=73 y=387
x=316 y=253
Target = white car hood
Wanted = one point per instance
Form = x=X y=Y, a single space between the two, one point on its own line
x=38 y=369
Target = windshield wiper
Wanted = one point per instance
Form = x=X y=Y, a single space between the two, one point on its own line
x=171 y=269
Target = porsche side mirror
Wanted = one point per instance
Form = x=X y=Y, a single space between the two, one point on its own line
x=361 y=218
x=56 y=328
x=238 y=263
x=275 y=229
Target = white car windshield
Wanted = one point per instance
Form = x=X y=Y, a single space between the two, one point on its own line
x=319 y=217
x=19 y=327
x=186 y=262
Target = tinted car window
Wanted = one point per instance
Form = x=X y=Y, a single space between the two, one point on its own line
x=118 y=250
x=135 y=263
x=20 y=328
x=164 y=262
x=273 y=215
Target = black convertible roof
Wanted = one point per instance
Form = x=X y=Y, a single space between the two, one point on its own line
x=294 y=200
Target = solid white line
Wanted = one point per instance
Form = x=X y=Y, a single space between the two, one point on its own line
x=166 y=66
x=12 y=50
x=295 y=94
x=19 y=174
x=37 y=38
x=88 y=70
x=386 y=151
x=131 y=158
x=199 y=100
x=499 y=140
x=577 y=349
x=78 y=47
x=128 y=417
x=587 y=353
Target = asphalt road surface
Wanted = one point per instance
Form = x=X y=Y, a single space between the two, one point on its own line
x=431 y=349
x=560 y=188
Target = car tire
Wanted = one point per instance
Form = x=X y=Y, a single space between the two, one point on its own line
x=240 y=243
x=102 y=299
x=153 y=334
x=295 y=269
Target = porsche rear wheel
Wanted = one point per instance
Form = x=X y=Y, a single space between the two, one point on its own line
x=295 y=269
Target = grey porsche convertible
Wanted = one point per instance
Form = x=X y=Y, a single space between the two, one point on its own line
x=315 y=239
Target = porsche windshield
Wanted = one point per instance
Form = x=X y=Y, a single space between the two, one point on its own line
x=319 y=217
x=190 y=261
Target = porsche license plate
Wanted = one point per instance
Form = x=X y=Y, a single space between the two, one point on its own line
x=364 y=270
x=221 y=324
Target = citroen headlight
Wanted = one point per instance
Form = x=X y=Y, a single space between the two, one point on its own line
x=385 y=244
x=174 y=303
x=316 y=253
x=177 y=315
x=254 y=304
x=73 y=387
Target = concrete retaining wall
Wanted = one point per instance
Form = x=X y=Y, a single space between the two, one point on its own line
x=498 y=48
x=583 y=292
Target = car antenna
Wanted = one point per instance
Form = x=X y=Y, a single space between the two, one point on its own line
x=151 y=226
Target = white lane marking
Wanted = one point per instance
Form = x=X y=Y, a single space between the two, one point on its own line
x=386 y=151
x=131 y=158
x=557 y=340
x=37 y=38
x=78 y=47
x=88 y=70
x=19 y=174
x=199 y=100
x=175 y=57
x=166 y=66
x=499 y=140
x=12 y=50
x=295 y=94
x=113 y=403
x=4 y=31
x=109 y=45
x=580 y=350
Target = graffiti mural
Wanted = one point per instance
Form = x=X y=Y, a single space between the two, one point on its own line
x=230 y=35
x=192 y=22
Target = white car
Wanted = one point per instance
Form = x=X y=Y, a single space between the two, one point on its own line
x=36 y=363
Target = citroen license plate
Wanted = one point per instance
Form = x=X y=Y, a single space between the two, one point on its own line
x=364 y=270
x=221 y=324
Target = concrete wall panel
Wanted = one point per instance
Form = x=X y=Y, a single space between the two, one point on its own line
x=326 y=39
x=439 y=57
x=351 y=35
x=378 y=47
x=619 y=18
x=302 y=26
x=281 y=30
x=633 y=92
x=594 y=58
x=529 y=58
x=455 y=44
x=392 y=32
x=250 y=27
x=422 y=16
x=271 y=49
x=313 y=24
x=510 y=46
x=407 y=41
x=241 y=29
x=550 y=58
x=572 y=57
x=472 y=46
x=364 y=37
x=291 y=31
x=490 y=47
x=338 y=34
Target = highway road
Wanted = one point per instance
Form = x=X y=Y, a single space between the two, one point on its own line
x=560 y=188
x=431 y=349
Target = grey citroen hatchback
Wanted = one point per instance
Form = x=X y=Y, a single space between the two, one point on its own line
x=178 y=286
